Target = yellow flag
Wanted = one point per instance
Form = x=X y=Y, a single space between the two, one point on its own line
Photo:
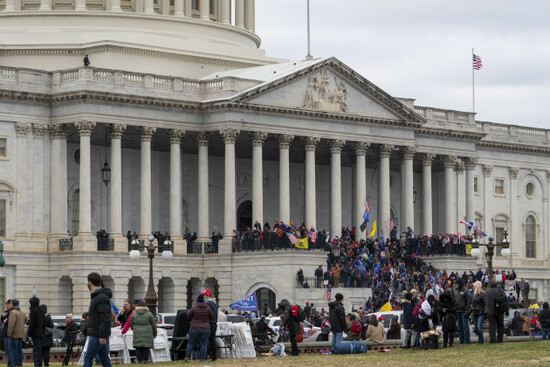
x=386 y=307
x=302 y=243
x=373 y=231
x=468 y=249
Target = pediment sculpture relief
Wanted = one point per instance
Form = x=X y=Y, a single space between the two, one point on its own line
x=320 y=96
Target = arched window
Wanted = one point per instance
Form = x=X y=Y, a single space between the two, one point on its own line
x=530 y=237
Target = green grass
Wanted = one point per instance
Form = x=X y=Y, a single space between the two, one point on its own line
x=516 y=354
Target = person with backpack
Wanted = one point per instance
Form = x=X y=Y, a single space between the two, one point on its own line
x=337 y=319
x=354 y=328
x=290 y=320
x=544 y=318
x=447 y=310
x=498 y=306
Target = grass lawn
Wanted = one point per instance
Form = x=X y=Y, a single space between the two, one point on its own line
x=517 y=354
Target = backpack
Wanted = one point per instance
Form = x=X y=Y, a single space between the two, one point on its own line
x=417 y=309
x=355 y=328
x=501 y=303
x=294 y=311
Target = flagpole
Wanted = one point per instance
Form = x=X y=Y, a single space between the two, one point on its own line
x=473 y=83
x=308 y=56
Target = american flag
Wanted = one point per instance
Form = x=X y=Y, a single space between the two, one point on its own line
x=392 y=224
x=328 y=291
x=367 y=210
x=292 y=238
x=477 y=62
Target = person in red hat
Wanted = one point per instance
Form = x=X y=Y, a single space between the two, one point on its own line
x=212 y=349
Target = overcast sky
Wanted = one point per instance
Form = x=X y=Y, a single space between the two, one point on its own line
x=423 y=49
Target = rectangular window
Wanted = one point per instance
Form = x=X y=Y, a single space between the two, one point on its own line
x=2 y=218
x=476 y=185
x=499 y=236
x=499 y=186
x=3 y=148
x=195 y=4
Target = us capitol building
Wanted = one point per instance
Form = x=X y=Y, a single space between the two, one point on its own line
x=182 y=124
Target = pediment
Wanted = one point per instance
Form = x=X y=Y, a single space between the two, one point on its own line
x=331 y=87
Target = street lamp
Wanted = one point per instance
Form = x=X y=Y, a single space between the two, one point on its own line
x=151 y=296
x=491 y=250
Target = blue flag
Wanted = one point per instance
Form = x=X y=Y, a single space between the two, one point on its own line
x=367 y=210
x=114 y=308
x=360 y=266
x=382 y=241
x=377 y=267
x=249 y=303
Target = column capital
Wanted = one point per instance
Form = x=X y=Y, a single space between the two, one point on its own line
x=361 y=148
x=449 y=161
x=22 y=129
x=427 y=159
x=487 y=169
x=514 y=172
x=147 y=133
x=176 y=135
x=385 y=150
x=58 y=131
x=39 y=130
x=85 y=127
x=202 y=139
x=336 y=146
x=407 y=153
x=229 y=135
x=311 y=143
x=460 y=166
x=285 y=141
x=116 y=130
x=471 y=162
x=257 y=138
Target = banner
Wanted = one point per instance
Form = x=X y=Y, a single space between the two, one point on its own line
x=468 y=249
x=302 y=243
x=386 y=307
x=373 y=231
x=360 y=266
x=249 y=303
x=510 y=285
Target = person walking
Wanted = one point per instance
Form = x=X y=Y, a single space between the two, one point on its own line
x=47 y=340
x=463 y=299
x=15 y=334
x=337 y=319
x=479 y=309
x=37 y=318
x=212 y=347
x=498 y=306
x=144 y=326
x=99 y=322
x=199 y=331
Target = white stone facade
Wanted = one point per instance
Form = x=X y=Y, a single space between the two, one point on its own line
x=189 y=148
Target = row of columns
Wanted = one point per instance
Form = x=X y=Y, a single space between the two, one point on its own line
x=244 y=9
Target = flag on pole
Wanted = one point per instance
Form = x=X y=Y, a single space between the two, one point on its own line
x=373 y=230
x=302 y=243
x=360 y=266
x=469 y=225
x=327 y=293
x=114 y=308
x=292 y=238
x=392 y=224
x=377 y=267
x=249 y=303
x=386 y=307
x=477 y=62
x=367 y=210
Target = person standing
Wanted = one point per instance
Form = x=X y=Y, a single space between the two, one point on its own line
x=16 y=333
x=291 y=322
x=212 y=347
x=37 y=318
x=544 y=318
x=408 y=319
x=337 y=319
x=99 y=322
x=47 y=340
x=199 y=331
x=126 y=311
x=462 y=297
x=498 y=306
x=4 y=320
x=144 y=326
x=479 y=309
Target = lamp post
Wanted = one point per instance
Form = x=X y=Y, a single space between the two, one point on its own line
x=151 y=297
x=490 y=250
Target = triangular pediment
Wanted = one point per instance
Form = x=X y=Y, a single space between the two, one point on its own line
x=331 y=87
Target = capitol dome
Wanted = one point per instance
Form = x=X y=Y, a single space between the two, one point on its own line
x=172 y=37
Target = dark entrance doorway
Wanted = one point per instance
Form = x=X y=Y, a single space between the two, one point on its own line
x=244 y=215
x=266 y=296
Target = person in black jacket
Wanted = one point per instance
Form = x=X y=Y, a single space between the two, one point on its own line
x=47 y=340
x=544 y=318
x=447 y=307
x=498 y=306
x=479 y=308
x=408 y=319
x=337 y=319
x=212 y=348
x=36 y=329
x=463 y=299
x=99 y=322
x=291 y=324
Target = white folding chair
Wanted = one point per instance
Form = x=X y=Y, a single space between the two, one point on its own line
x=161 y=350
x=129 y=342
x=118 y=347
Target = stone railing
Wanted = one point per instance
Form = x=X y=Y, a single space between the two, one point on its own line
x=513 y=132
x=201 y=248
x=445 y=115
x=65 y=244
x=106 y=244
x=162 y=247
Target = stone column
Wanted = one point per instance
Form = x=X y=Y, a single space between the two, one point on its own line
x=449 y=162
x=239 y=13
x=487 y=195
x=187 y=8
x=178 y=8
x=311 y=210
x=258 y=139
x=115 y=218
x=204 y=9
x=427 y=160
x=225 y=13
x=175 y=183
x=22 y=181
x=230 y=218
x=80 y=5
x=514 y=230
x=360 y=186
x=45 y=5
x=149 y=7
x=336 y=187
x=407 y=154
x=284 y=177
x=384 y=190
x=146 y=217
x=470 y=166
x=203 y=201
x=85 y=129
x=115 y=6
x=38 y=180
x=460 y=194
x=10 y=6
x=249 y=15
x=58 y=185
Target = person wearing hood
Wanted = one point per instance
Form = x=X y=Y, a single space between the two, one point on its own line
x=144 y=326
x=37 y=318
x=199 y=331
x=291 y=324
x=462 y=297
x=408 y=319
x=47 y=340
x=426 y=315
x=99 y=322
x=15 y=334
x=479 y=309
x=375 y=330
x=337 y=319
x=447 y=307
x=498 y=306
x=544 y=318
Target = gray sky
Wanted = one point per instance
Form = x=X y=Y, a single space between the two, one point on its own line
x=422 y=49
